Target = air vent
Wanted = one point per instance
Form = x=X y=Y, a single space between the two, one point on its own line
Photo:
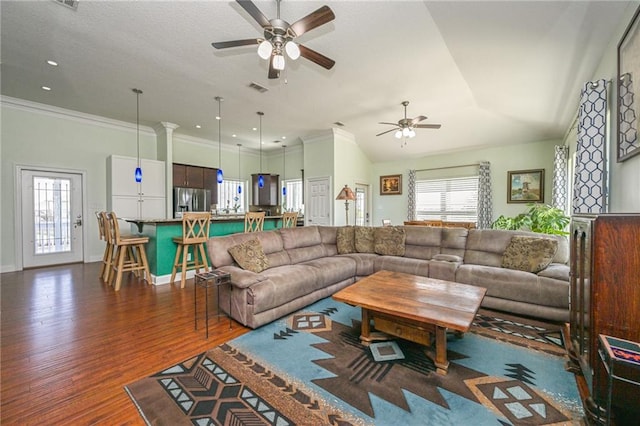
x=339 y=123
x=257 y=87
x=72 y=4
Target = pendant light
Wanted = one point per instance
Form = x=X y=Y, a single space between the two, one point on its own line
x=138 y=172
x=239 y=174
x=284 y=169
x=220 y=175
x=260 y=177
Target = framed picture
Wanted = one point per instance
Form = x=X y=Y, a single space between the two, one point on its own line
x=525 y=186
x=628 y=83
x=391 y=185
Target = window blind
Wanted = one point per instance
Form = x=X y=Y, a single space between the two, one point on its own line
x=450 y=199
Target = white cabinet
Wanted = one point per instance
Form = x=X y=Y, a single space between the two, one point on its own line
x=126 y=197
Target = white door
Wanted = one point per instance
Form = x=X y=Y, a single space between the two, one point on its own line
x=362 y=205
x=318 y=207
x=51 y=218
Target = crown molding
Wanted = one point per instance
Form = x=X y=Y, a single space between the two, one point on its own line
x=67 y=114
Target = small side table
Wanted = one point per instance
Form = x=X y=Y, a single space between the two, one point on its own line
x=615 y=352
x=208 y=280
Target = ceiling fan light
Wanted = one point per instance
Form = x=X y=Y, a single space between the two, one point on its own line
x=412 y=133
x=398 y=134
x=405 y=132
x=292 y=50
x=264 y=49
x=278 y=62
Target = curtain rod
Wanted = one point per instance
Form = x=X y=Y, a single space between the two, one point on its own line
x=449 y=167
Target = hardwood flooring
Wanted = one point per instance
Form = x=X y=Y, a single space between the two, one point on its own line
x=70 y=343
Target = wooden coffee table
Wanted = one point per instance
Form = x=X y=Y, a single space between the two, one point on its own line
x=414 y=308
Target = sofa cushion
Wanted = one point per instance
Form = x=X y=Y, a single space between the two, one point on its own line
x=529 y=254
x=303 y=243
x=401 y=264
x=389 y=240
x=250 y=256
x=328 y=237
x=422 y=242
x=346 y=240
x=365 y=240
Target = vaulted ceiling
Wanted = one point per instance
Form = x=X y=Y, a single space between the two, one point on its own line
x=491 y=72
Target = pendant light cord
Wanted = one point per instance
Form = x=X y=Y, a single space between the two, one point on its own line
x=138 y=91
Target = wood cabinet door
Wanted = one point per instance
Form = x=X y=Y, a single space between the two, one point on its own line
x=211 y=183
x=195 y=177
x=179 y=175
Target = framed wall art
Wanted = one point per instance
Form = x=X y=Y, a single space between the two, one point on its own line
x=525 y=186
x=391 y=185
x=628 y=84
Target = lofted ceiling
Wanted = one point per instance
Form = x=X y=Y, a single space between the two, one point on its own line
x=491 y=72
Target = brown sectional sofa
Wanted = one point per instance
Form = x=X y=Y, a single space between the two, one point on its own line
x=304 y=266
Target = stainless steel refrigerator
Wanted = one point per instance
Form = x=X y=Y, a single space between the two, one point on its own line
x=190 y=200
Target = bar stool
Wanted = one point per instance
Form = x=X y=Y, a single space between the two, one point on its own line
x=195 y=232
x=253 y=221
x=129 y=254
x=106 y=257
x=289 y=219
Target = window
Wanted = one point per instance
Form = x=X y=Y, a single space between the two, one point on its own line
x=228 y=197
x=293 y=201
x=451 y=199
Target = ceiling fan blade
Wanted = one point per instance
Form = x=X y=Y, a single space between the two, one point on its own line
x=427 y=126
x=312 y=20
x=391 y=124
x=273 y=73
x=418 y=119
x=255 y=13
x=236 y=43
x=316 y=57
x=392 y=130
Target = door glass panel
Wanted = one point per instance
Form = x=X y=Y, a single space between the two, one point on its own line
x=52 y=215
x=360 y=207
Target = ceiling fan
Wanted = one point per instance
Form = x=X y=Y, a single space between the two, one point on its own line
x=279 y=37
x=404 y=128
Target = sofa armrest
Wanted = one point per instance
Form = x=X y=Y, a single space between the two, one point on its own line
x=447 y=258
x=558 y=271
x=241 y=278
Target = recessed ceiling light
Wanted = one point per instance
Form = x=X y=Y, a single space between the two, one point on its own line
x=52 y=63
x=233 y=136
x=284 y=137
x=47 y=88
x=217 y=117
x=198 y=126
x=254 y=129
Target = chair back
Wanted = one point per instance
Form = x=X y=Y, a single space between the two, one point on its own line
x=253 y=221
x=113 y=229
x=195 y=227
x=102 y=229
x=289 y=219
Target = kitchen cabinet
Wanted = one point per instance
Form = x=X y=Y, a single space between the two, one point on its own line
x=269 y=194
x=126 y=197
x=211 y=183
x=187 y=176
x=604 y=299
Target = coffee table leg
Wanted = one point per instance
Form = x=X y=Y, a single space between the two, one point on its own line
x=365 y=328
x=441 y=362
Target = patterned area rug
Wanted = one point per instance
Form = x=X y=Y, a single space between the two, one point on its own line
x=311 y=369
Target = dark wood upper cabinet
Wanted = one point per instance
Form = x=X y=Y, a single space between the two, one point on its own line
x=188 y=176
x=211 y=183
x=268 y=195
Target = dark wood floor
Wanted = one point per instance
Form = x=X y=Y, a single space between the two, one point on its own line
x=70 y=343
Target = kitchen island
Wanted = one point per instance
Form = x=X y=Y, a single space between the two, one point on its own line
x=161 y=249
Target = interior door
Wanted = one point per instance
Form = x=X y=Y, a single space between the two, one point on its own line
x=318 y=211
x=52 y=218
x=362 y=205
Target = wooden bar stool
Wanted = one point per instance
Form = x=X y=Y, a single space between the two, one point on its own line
x=289 y=219
x=129 y=254
x=106 y=257
x=253 y=221
x=195 y=233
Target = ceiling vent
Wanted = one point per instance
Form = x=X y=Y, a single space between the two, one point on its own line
x=339 y=123
x=71 y=4
x=257 y=87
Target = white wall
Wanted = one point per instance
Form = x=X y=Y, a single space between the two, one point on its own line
x=537 y=155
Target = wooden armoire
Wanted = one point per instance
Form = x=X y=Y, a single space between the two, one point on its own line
x=605 y=299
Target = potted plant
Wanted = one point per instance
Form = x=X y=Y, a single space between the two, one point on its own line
x=541 y=218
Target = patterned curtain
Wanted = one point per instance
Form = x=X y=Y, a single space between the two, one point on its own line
x=589 y=178
x=485 y=210
x=560 y=178
x=628 y=132
x=411 y=207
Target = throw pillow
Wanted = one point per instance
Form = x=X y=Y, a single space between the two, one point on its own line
x=530 y=254
x=346 y=240
x=250 y=256
x=364 y=239
x=389 y=240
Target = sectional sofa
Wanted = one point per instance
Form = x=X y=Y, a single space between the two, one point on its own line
x=274 y=273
